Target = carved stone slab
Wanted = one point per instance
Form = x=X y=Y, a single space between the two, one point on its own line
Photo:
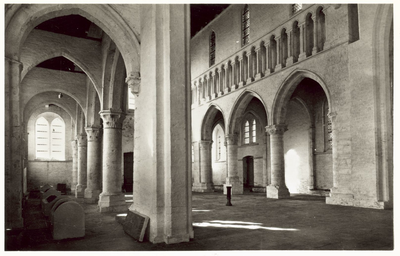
x=68 y=221
x=135 y=225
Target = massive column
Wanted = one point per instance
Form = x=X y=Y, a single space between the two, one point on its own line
x=82 y=165
x=94 y=164
x=13 y=140
x=74 y=182
x=162 y=189
x=112 y=199
x=277 y=189
x=232 y=162
x=205 y=167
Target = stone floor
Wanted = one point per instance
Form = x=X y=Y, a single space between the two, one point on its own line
x=252 y=223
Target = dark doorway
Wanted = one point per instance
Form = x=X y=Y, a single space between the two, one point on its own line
x=128 y=172
x=248 y=172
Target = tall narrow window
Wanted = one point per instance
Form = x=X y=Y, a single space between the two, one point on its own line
x=42 y=138
x=212 y=48
x=245 y=25
x=354 y=33
x=246 y=133
x=253 y=131
x=57 y=139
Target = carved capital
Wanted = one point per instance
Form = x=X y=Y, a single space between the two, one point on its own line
x=277 y=129
x=93 y=134
x=231 y=139
x=82 y=140
x=133 y=81
x=112 y=119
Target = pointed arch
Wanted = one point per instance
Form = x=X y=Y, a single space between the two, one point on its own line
x=208 y=123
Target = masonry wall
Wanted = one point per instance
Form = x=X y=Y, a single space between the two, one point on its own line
x=344 y=69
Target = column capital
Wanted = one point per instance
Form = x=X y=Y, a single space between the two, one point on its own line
x=231 y=139
x=301 y=23
x=82 y=140
x=205 y=144
x=133 y=81
x=277 y=129
x=93 y=133
x=112 y=119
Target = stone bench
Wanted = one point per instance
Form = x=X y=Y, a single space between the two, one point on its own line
x=67 y=220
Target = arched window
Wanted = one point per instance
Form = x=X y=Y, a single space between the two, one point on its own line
x=219 y=149
x=245 y=25
x=212 y=48
x=42 y=138
x=250 y=130
x=50 y=139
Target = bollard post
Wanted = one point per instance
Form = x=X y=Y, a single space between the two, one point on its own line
x=228 y=195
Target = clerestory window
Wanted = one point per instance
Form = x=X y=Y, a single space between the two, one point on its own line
x=212 y=48
x=245 y=25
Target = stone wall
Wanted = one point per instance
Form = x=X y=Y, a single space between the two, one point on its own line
x=48 y=172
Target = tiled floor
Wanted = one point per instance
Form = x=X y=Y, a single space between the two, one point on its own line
x=252 y=223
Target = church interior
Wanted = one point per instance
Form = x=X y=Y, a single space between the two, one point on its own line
x=198 y=127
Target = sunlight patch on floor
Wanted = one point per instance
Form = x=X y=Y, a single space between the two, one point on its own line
x=246 y=225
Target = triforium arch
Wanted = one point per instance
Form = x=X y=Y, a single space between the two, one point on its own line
x=383 y=85
x=202 y=149
x=289 y=85
x=21 y=19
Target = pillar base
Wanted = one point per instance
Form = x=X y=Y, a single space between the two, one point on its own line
x=249 y=80
x=91 y=196
x=277 y=192
x=349 y=200
x=258 y=76
x=237 y=186
x=80 y=191
x=241 y=84
x=226 y=90
x=289 y=61
x=302 y=56
x=203 y=187
x=112 y=203
x=278 y=67
x=220 y=93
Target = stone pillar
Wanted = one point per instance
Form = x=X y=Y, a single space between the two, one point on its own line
x=250 y=77
x=94 y=164
x=205 y=167
x=290 y=44
x=227 y=84
x=315 y=48
x=267 y=58
x=242 y=82
x=82 y=166
x=234 y=84
x=278 y=53
x=112 y=199
x=74 y=182
x=198 y=93
x=220 y=83
x=265 y=160
x=162 y=189
x=302 y=36
x=208 y=87
x=232 y=162
x=203 y=89
x=258 y=63
x=13 y=145
x=277 y=189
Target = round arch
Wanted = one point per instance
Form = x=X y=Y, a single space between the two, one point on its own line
x=208 y=124
x=89 y=71
x=23 y=18
x=278 y=112
x=239 y=107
